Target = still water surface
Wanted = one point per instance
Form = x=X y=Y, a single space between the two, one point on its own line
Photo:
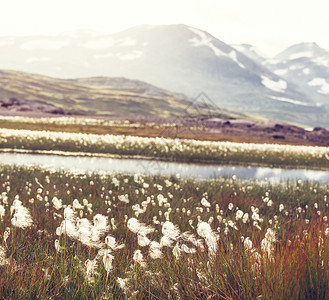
x=152 y=167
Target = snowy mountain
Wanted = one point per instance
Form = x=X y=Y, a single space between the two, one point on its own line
x=178 y=58
x=306 y=65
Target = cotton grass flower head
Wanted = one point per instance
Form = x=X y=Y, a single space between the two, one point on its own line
x=142 y=239
x=123 y=284
x=177 y=251
x=21 y=217
x=67 y=227
x=100 y=221
x=170 y=230
x=135 y=226
x=108 y=262
x=270 y=235
x=6 y=236
x=58 y=247
x=187 y=249
x=112 y=243
x=239 y=214
x=76 y=205
x=57 y=203
x=90 y=270
x=83 y=223
x=204 y=229
x=205 y=202
x=138 y=258
x=267 y=243
x=247 y=244
x=17 y=204
x=123 y=198
x=84 y=236
x=281 y=207
x=155 y=250
x=245 y=218
x=167 y=241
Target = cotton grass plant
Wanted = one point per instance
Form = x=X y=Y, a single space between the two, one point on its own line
x=167 y=238
x=186 y=150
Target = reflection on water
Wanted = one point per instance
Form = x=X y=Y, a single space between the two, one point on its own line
x=151 y=167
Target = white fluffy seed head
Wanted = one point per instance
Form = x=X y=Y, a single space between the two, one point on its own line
x=135 y=226
x=204 y=229
x=155 y=250
x=108 y=261
x=166 y=241
x=205 y=202
x=170 y=230
x=142 y=239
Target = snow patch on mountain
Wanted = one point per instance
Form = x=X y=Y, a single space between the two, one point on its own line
x=289 y=100
x=233 y=56
x=204 y=40
x=281 y=72
x=322 y=61
x=322 y=84
x=276 y=86
x=44 y=44
x=297 y=55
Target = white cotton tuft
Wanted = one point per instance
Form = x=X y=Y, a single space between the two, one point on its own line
x=76 y=205
x=2 y=211
x=57 y=203
x=83 y=223
x=155 y=250
x=67 y=227
x=177 y=251
x=112 y=244
x=205 y=202
x=166 y=241
x=69 y=213
x=108 y=261
x=142 y=239
x=135 y=226
x=138 y=258
x=187 y=249
x=170 y=230
x=21 y=217
x=204 y=229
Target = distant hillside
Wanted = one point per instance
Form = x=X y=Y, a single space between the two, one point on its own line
x=306 y=65
x=25 y=92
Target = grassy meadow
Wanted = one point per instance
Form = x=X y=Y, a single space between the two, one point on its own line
x=169 y=149
x=116 y=236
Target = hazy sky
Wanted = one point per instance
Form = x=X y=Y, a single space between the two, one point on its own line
x=270 y=25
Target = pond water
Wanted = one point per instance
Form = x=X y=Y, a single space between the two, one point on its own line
x=153 y=167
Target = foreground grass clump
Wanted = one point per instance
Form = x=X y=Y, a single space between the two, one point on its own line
x=95 y=236
x=167 y=149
